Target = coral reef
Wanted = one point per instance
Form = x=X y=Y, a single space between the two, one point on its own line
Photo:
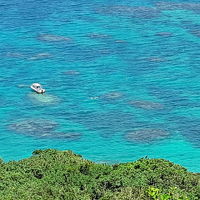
x=41 y=128
x=111 y=96
x=147 y=105
x=146 y=135
x=132 y=11
x=33 y=127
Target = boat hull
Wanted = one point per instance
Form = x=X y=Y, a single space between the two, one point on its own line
x=40 y=91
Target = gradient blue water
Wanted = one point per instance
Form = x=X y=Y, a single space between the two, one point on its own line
x=118 y=52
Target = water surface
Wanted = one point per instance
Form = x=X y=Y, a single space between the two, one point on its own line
x=122 y=79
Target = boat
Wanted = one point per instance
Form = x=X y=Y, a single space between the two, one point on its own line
x=37 y=88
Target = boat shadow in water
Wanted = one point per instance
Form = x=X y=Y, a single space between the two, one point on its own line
x=43 y=99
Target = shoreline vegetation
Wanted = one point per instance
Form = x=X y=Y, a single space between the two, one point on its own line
x=53 y=174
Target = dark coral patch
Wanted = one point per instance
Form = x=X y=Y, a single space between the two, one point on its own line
x=147 y=105
x=112 y=96
x=191 y=27
x=177 y=6
x=42 y=128
x=132 y=11
x=195 y=33
x=146 y=135
x=189 y=128
x=33 y=127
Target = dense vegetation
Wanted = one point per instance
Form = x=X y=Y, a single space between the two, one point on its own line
x=51 y=174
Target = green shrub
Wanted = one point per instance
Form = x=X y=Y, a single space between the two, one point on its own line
x=52 y=174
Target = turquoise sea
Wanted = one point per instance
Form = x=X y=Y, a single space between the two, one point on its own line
x=122 y=79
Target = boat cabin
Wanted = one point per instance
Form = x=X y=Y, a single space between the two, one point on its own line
x=37 y=88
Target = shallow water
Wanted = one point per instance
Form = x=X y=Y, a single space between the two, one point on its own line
x=111 y=70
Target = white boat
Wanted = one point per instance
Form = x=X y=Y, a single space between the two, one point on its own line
x=37 y=88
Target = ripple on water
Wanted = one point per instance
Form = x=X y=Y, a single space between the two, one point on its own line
x=14 y=55
x=53 y=38
x=98 y=36
x=64 y=135
x=40 y=56
x=155 y=59
x=164 y=34
x=71 y=72
x=171 y=98
x=23 y=86
x=107 y=123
